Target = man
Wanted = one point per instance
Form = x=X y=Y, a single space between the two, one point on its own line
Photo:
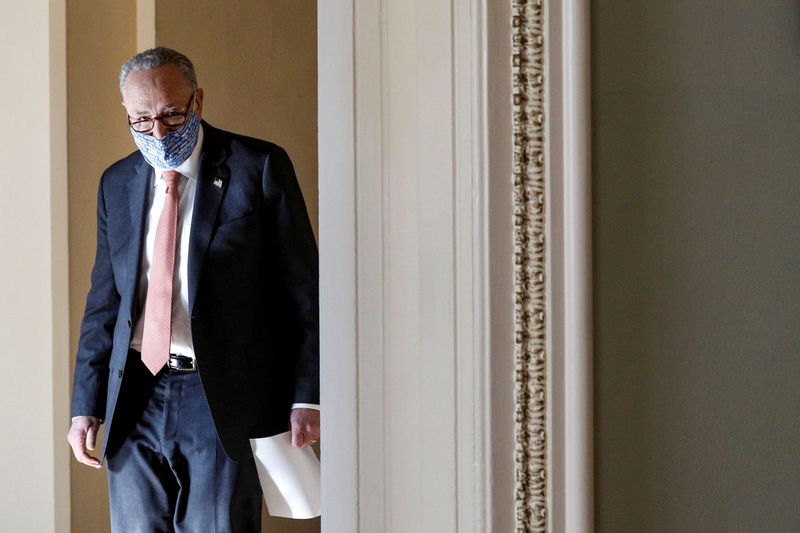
x=201 y=324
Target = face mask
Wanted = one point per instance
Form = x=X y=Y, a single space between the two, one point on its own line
x=172 y=150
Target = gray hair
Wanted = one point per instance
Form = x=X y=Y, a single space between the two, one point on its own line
x=157 y=57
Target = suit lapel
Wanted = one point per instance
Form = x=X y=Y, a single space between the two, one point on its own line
x=212 y=182
x=137 y=196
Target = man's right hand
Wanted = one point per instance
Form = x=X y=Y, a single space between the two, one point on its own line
x=82 y=436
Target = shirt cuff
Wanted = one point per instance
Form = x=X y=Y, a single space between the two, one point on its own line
x=90 y=416
x=314 y=406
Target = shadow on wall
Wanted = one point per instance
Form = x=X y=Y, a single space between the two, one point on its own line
x=696 y=247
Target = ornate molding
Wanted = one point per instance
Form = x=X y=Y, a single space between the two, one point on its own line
x=529 y=266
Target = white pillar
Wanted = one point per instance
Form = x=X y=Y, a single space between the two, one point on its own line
x=34 y=495
x=405 y=253
x=568 y=163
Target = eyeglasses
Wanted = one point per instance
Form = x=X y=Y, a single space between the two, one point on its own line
x=172 y=119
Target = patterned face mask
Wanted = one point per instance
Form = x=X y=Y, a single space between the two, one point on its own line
x=175 y=148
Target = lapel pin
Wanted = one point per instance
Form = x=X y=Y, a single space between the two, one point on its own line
x=218 y=182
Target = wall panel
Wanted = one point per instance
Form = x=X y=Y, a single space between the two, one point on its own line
x=697 y=246
x=100 y=37
x=34 y=493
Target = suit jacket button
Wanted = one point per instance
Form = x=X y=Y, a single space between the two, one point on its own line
x=129 y=323
x=119 y=373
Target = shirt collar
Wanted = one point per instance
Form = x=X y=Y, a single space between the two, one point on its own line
x=189 y=168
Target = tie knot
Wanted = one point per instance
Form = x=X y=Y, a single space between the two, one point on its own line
x=171 y=178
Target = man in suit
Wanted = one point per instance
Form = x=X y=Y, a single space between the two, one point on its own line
x=201 y=325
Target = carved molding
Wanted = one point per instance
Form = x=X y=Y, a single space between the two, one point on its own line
x=529 y=266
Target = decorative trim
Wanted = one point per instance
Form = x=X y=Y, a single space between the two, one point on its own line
x=529 y=266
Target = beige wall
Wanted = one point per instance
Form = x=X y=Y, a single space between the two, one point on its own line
x=256 y=61
x=33 y=281
x=100 y=37
x=257 y=64
x=697 y=249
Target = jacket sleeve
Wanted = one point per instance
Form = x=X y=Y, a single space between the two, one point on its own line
x=97 y=328
x=298 y=269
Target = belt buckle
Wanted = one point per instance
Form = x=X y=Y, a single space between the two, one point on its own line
x=182 y=363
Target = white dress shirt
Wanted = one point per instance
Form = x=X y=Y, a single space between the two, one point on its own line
x=181 y=341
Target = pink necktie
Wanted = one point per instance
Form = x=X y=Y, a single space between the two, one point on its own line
x=158 y=306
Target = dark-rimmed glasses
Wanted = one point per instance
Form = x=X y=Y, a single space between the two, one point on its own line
x=171 y=119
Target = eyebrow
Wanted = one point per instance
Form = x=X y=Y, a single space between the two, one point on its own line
x=167 y=108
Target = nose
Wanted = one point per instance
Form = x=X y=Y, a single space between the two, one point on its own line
x=159 y=130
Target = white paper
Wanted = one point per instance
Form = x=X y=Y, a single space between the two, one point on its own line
x=289 y=476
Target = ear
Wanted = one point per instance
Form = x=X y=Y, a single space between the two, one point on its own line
x=198 y=99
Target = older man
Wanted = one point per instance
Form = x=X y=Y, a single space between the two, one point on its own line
x=201 y=324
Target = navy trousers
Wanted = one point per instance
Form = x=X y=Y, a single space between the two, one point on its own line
x=167 y=471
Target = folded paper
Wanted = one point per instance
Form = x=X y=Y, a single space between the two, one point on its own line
x=289 y=476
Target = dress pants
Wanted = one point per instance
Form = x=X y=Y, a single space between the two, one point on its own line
x=168 y=472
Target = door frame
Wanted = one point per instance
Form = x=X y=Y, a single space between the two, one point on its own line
x=347 y=31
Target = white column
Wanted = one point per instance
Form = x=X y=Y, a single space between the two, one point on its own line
x=34 y=494
x=337 y=216
x=569 y=233
x=405 y=260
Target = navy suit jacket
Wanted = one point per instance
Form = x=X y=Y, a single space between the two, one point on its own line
x=253 y=289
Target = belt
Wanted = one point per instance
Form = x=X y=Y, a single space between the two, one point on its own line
x=182 y=363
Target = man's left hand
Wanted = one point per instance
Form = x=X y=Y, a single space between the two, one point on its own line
x=305 y=427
